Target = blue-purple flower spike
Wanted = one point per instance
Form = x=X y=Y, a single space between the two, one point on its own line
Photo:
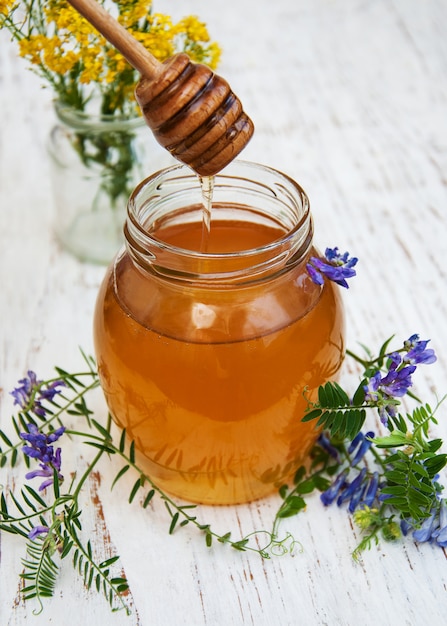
x=40 y=448
x=383 y=391
x=417 y=351
x=29 y=394
x=335 y=266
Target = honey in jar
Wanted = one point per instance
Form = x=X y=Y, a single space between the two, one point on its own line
x=210 y=343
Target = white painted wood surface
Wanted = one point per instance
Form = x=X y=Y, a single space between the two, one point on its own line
x=349 y=97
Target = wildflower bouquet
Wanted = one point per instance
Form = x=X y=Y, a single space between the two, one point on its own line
x=390 y=483
x=80 y=65
x=94 y=85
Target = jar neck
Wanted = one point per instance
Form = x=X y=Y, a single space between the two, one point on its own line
x=246 y=195
x=92 y=121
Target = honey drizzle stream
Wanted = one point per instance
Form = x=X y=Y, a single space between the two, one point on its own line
x=207 y=185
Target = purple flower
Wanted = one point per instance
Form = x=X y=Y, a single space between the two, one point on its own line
x=424 y=533
x=37 y=530
x=362 y=444
x=29 y=394
x=397 y=382
x=324 y=442
x=353 y=491
x=417 y=351
x=371 y=490
x=336 y=267
x=432 y=530
x=40 y=448
x=328 y=496
x=440 y=534
x=382 y=391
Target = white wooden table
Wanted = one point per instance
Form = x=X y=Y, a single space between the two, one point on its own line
x=349 y=97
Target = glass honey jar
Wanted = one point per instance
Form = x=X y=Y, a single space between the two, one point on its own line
x=210 y=337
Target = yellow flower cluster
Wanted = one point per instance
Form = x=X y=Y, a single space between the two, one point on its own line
x=6 y=6
x=69 y=53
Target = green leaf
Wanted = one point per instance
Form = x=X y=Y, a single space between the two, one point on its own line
x=56 y=489
x=17 y=503
x=418 y=468
x=122 y=471
x=66 y=547
x=132 y=452
x=419 y=484
x=283 y=491
x=321 y=483
x=122 y=444
x=395 y=490
x=299 y=474
x=391 y=441
x=359 y=395
x=435 y=464
x=311 y=415
x=326 y=396
x=326 y=419
x=75 y=557
x=395 y=476
x=292 y=506
x=148 y=498
x=240 y=545
x=307 y=486
x=434 y=445
x=104 y=432
x=100 y=446
x=384 y=349
x=400 y=502
x=173 y=522
x=36 y=496
x=108 y=562
x=3 y=505
x=135 y=488
x=13 y=529
x=6 y=439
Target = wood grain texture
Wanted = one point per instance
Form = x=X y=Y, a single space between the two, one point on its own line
x=349 y=97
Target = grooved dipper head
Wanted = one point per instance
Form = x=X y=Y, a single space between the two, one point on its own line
x=193 y=113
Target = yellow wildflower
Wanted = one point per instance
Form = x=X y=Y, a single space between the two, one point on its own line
x=6 y=6
x=193 y=28
x=365 y=517
x=57 y=61
x=391 y=531
x=160 y=46
x=214 y=54
x=132 y=12
x=32 y=48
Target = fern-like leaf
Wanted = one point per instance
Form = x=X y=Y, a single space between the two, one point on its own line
x=343 y=422
x=40 y=571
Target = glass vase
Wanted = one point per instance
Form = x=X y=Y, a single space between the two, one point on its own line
x=96 y=161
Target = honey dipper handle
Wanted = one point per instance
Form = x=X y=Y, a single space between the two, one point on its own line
x=131 y=49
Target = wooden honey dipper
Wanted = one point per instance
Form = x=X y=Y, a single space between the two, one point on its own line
x=191 y=111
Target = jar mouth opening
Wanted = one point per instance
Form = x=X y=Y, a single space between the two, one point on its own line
x=266 y=196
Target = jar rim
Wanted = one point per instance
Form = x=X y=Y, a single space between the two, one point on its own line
x=94 y=121
x=290 y=246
